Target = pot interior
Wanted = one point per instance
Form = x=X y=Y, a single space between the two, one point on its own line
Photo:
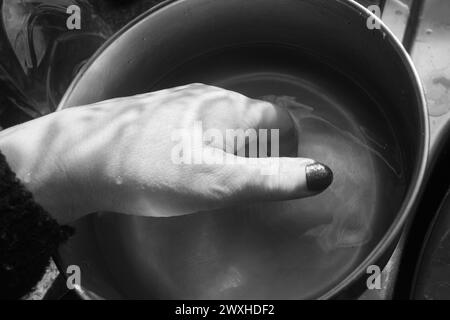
x=349 y=90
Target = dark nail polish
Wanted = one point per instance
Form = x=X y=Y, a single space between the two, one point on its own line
x=318 y=176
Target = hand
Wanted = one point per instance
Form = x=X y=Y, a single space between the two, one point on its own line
x=126 y=155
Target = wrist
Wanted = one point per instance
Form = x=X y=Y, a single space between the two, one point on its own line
x=38 y=153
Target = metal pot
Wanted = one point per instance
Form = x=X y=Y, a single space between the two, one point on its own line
x=361 y=109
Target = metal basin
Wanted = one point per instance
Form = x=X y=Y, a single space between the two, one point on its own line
x=359 y=105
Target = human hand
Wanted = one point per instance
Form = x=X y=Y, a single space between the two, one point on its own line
x=126 y=155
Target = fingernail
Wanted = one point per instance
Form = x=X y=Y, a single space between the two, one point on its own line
x=318 y=176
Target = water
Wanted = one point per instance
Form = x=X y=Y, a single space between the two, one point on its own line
x=351 y=229
x=291 y=249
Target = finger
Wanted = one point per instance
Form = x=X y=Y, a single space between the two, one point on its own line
x=234 y=114
x=272 y=179
x=230 y=110
x=266 y=115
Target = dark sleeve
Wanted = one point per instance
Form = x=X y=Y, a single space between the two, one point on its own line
x=28 y=236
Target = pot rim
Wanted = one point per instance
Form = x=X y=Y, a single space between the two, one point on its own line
x=419 y=174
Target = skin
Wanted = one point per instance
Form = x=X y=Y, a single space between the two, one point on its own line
x=116 y=155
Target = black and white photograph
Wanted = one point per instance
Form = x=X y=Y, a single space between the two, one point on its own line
x=221 y=158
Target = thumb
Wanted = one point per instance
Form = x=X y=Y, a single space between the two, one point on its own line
x=273 y=179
